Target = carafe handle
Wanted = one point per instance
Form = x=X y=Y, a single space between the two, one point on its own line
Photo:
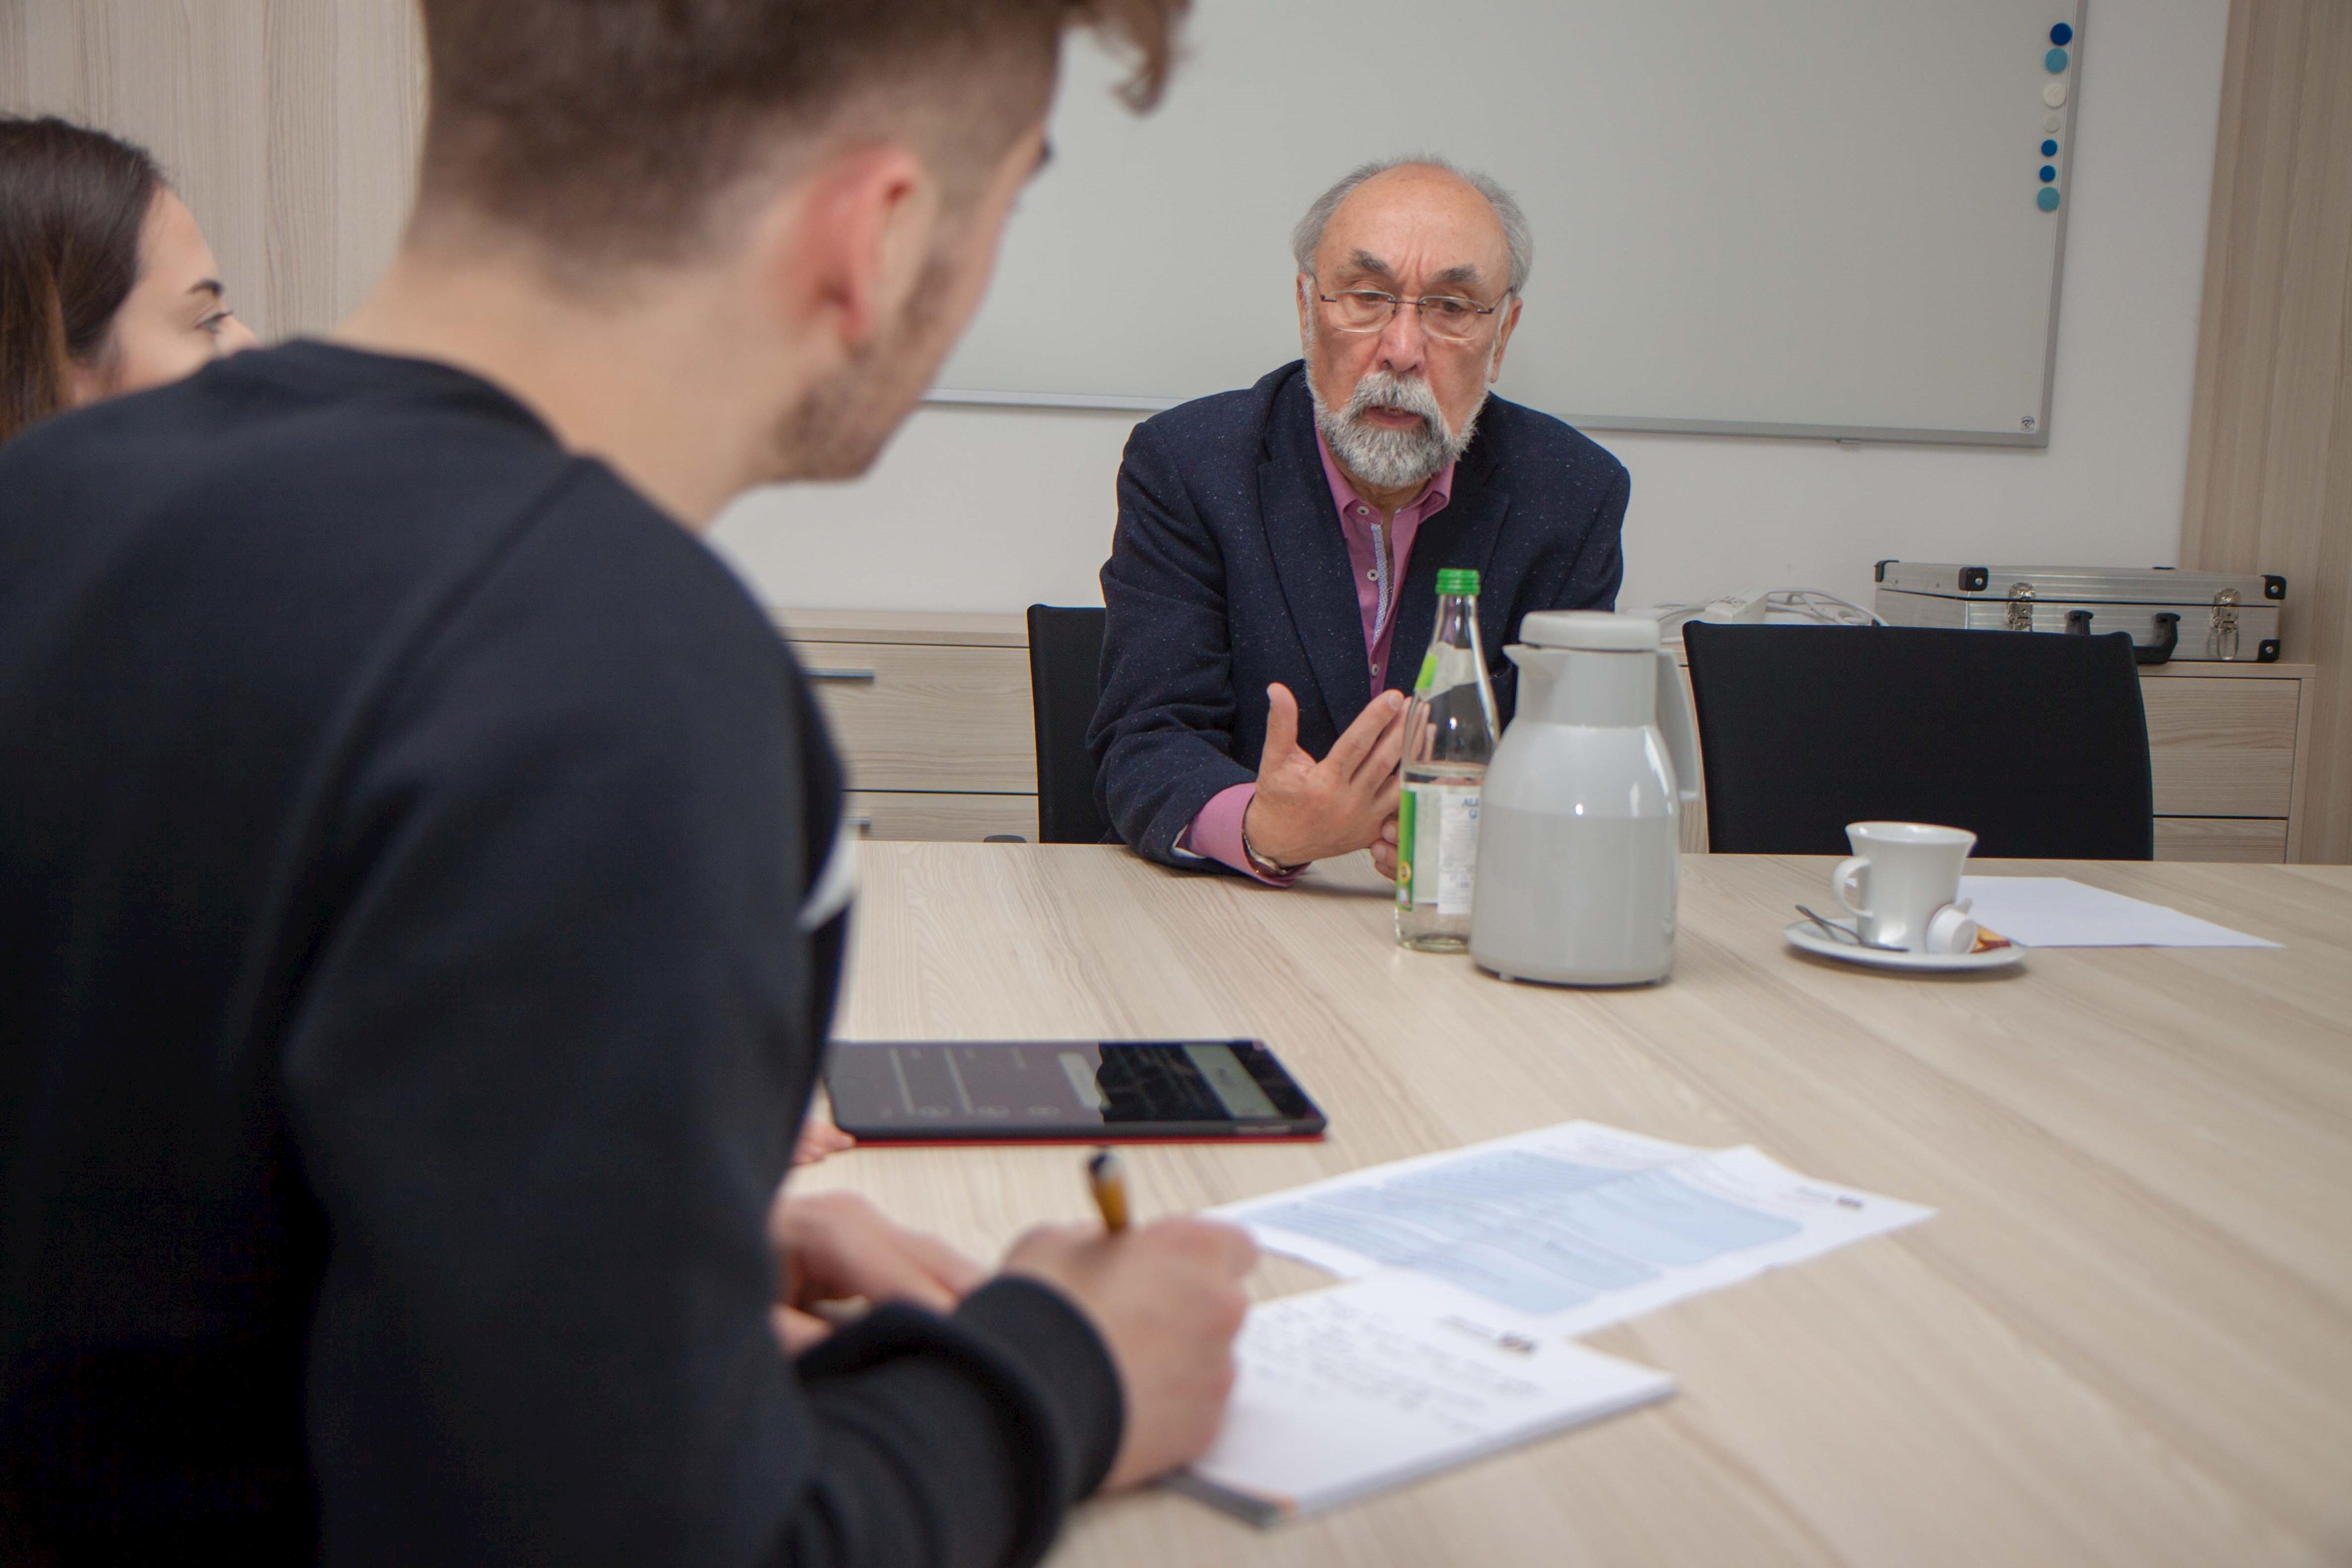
x=1675 y=724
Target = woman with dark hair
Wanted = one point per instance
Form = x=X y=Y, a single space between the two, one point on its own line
x=106 y=284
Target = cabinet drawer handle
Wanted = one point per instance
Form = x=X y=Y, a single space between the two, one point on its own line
x=861 y=824
x=820 y=673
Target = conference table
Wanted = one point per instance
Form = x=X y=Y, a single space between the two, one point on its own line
x=2125 y=1337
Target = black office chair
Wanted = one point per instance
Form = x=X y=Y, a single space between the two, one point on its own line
x=1065 y=679
x=2035 y=742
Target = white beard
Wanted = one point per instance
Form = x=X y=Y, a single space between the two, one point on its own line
x=1383 y=456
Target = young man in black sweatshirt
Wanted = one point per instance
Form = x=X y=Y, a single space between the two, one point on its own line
x=419 y=910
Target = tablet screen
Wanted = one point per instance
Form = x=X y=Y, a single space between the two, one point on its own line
x=1063 y=1088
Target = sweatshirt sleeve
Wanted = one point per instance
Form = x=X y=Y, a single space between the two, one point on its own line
x=549 y=1046
x=961 y=1441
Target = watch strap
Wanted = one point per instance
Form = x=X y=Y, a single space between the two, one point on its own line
x=1264 y=867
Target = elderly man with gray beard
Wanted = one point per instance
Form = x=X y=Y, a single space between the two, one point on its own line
x=1272 y=584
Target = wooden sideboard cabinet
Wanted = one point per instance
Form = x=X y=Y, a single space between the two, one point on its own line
x=2229 y=745
x=932 y=712
x=931 y=715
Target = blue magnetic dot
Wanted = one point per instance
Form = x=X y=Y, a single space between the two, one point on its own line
x=2055 y=59
x=2048 y=174
x=2062 y=34
x=2050 y=150
x=2046 y=198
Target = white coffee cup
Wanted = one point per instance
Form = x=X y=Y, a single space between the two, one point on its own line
x=1902 y=885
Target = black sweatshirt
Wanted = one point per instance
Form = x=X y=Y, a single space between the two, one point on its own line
x=405 y=1018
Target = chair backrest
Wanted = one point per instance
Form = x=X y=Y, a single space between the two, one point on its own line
x=2035 y=742
x=1064 y=680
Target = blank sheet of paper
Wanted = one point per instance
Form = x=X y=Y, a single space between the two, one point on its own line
x=1346 y=1392
x=2059 y=912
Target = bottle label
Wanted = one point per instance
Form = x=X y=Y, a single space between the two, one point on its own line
x=1437 y=846
x=1444 y=667
x=1408 y=802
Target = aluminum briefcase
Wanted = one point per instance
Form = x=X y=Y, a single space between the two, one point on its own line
x=2203 y=616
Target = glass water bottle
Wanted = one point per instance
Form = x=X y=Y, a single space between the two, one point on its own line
x=1449 y=735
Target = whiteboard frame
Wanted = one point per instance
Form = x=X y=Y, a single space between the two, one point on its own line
x=1887 y=434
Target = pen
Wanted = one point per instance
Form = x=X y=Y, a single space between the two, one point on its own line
x=1107 y=1177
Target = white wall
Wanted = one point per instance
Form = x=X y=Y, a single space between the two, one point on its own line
x=992 y=509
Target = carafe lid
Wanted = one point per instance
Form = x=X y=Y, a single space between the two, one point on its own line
x=1592 y=631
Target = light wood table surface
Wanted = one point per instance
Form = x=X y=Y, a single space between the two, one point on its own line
x=2126 y=1338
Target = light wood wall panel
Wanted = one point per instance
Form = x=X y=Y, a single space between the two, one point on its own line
x=13 y=88
x=2269 y=468
x=288 y=126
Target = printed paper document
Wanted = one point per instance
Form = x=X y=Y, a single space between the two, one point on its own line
x=1573 y=1226
x=1350 y=1391
x=2059 y=912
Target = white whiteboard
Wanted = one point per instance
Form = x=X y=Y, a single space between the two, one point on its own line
x=1779 y=217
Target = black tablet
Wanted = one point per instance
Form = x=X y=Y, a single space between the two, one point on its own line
x=1063 y=1091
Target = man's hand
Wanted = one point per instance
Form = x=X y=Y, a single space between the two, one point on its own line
x=820 y=1137
x=1167 y=1298
x=1384 y=857
x=1308 y=810
x=836 y=1246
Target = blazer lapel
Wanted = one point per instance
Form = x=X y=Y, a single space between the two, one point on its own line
x=1310 y=557
x=1463 y=534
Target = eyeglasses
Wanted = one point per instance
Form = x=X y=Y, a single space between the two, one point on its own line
x=1446 y=316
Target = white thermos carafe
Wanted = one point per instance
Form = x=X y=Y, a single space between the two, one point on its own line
x=1580 y=823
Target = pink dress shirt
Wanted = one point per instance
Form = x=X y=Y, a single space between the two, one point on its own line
x=1379 y=553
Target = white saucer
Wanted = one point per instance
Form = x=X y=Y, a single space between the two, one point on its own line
x=1806 y=935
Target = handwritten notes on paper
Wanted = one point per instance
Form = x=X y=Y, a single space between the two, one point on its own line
x=1350 y=1391
x=1473 y=1270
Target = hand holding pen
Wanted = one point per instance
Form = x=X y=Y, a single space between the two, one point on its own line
x=1166 y=1297
x=1107 y=1176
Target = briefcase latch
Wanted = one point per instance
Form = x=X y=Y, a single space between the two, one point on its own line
x=2224 y=639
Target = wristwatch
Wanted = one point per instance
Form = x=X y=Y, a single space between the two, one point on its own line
x=1262 y=865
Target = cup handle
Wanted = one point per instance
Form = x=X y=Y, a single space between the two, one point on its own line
x=1846 y=882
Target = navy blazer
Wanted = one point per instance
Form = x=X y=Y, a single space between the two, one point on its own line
x=1229 y=572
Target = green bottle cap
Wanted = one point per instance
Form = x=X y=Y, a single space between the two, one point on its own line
x=1456 y=580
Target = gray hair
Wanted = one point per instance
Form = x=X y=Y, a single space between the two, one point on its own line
x=1518 y=238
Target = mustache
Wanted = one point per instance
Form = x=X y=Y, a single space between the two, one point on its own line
x=1404 y=394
